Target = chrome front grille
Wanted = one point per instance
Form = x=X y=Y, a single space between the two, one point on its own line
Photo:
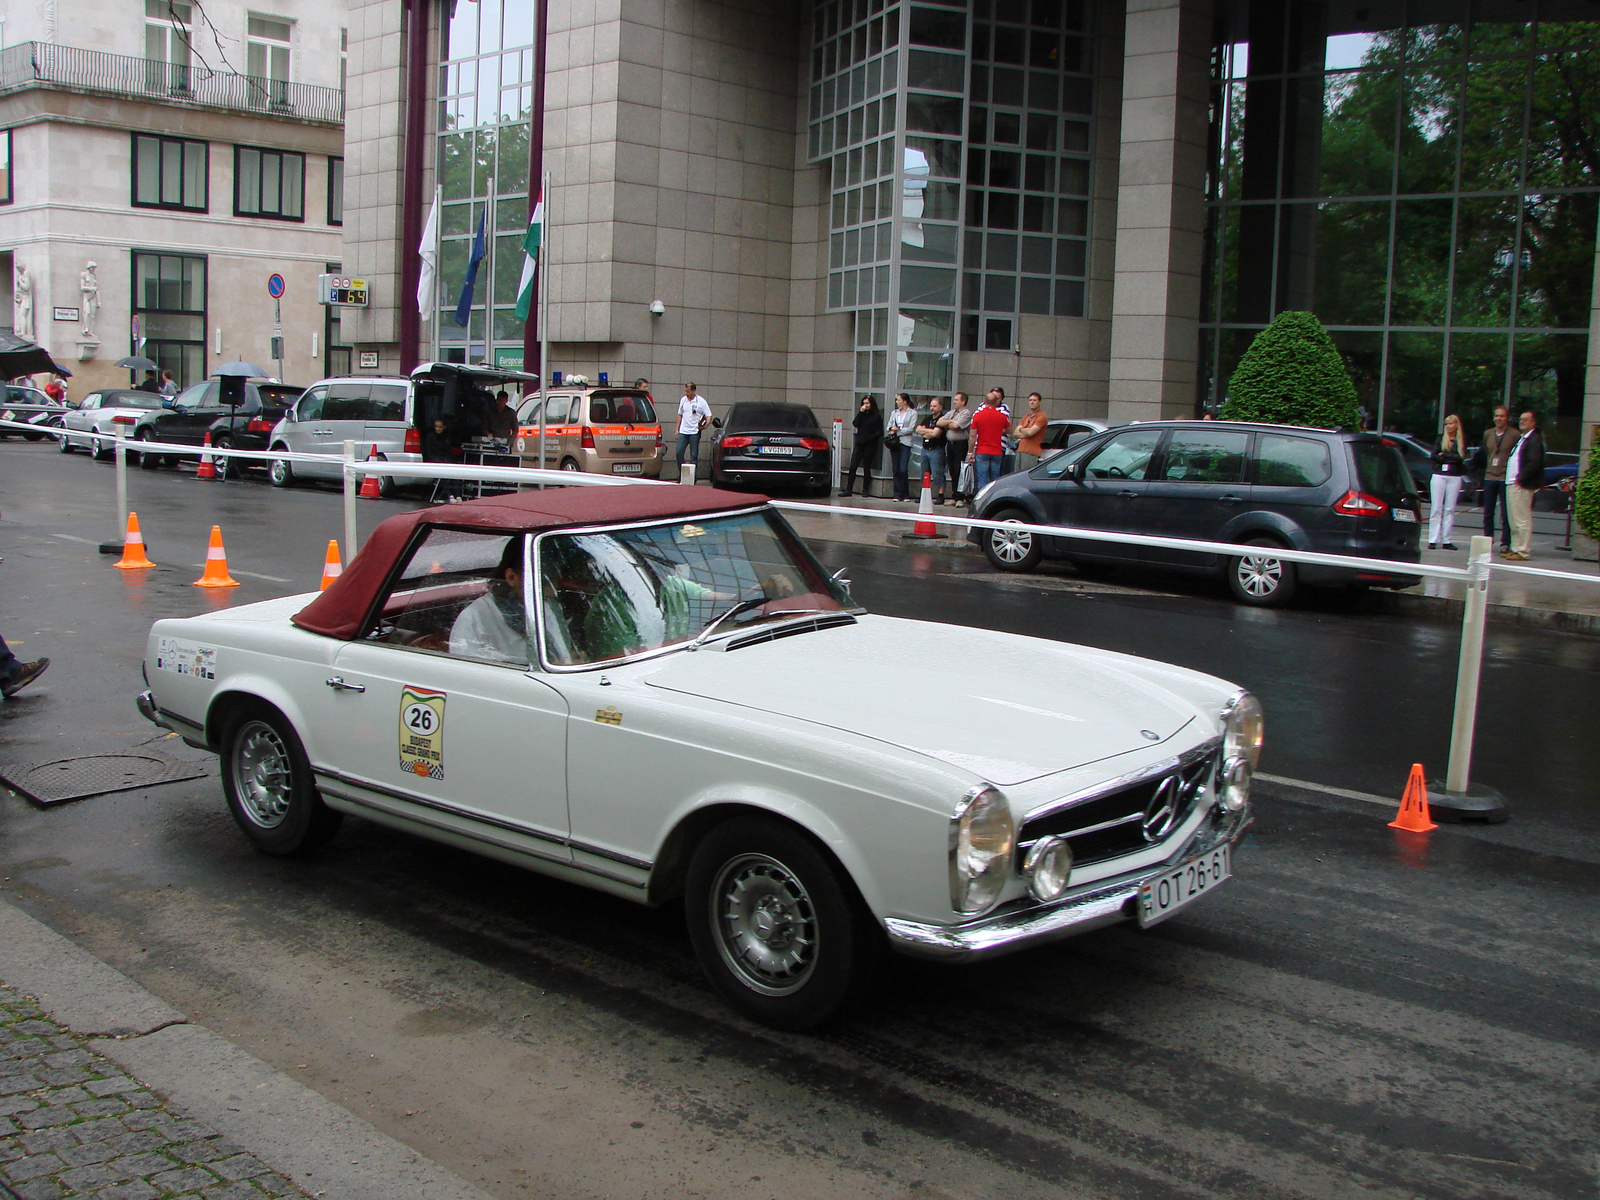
x=1129 y=818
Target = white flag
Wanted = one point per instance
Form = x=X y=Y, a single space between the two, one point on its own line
x=428 y=251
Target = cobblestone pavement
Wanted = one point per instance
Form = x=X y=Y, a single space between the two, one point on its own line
x=74 y=1124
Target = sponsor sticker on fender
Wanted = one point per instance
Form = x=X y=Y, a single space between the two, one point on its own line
x=422 y=731
x=608 y=716
x=186 y=658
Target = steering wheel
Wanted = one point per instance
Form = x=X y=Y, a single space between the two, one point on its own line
x=1116 y=473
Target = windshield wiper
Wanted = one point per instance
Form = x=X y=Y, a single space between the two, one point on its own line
x=743 y=606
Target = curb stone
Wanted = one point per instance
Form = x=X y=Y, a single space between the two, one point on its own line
x=185 y=1086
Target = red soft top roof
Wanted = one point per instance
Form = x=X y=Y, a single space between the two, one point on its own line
x=342 y=610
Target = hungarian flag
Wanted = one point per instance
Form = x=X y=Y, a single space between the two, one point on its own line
x=464 y=304
x=530 y=258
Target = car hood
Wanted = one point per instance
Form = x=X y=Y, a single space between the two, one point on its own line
x=1007 y=708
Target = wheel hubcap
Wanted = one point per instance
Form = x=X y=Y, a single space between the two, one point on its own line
x=262 y=774
x=1259 y=575
x=764 y=924
x=1011 y=546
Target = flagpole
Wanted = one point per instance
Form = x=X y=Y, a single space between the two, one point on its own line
x=433 y=300
x=544 y=308
x=488 y=299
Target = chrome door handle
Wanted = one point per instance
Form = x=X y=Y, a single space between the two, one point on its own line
x=338 y=684
x=1230 y=499
x=1128 y=495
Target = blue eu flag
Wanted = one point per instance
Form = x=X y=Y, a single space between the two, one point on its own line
x=464 y=304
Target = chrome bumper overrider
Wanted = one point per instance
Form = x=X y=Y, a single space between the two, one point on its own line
x=1104 y=902
x=194 y=735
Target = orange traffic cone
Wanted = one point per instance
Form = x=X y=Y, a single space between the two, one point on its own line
x=925 y=509
x=133 y=554
x=1413 y=815
x=331 y=569
x=369 y=484
x=207 y=470
x=216 y=572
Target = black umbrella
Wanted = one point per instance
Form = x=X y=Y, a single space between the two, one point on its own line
x=19 y=357
x=137 y=362
x=247 y=369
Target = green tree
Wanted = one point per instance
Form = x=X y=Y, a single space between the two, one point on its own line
x=1293 y=375
x=1586 y=500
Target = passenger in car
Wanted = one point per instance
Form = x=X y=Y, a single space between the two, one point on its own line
x=494 y=627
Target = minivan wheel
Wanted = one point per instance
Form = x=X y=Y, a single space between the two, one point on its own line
x=570 y=464
x=1261 y=580
x=1012 y=550
x=280 y=471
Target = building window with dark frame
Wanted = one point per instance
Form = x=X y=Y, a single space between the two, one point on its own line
x=269 y=183
x=335 y=191
x=169 y=298
x=170 y=173
x=7 y=192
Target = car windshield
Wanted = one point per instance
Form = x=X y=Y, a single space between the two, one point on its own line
x=778 y=418
x=133 y=400
x=1383 y=473
x=611 y=595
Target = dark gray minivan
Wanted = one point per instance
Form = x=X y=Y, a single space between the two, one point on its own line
x=1220 y=481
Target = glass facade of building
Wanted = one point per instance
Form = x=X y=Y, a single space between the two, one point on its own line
x=485 y=110
x=1422 y=176
x=957 y=140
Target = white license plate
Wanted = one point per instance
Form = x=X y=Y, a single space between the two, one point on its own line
x=627 y=468
x=1184 y=884
x=1404 y=516
x=777 y=449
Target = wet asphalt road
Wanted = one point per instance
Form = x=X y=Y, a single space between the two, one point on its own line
x=1358 y=1012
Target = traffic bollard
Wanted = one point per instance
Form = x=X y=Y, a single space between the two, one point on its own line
x=1458 y=800
x=349 y=498
x=119 y=460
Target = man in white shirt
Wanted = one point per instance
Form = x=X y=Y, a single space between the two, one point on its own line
x=693 y=415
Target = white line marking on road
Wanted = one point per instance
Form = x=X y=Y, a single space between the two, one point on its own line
x=67 y=537
x=247 y=574
x=1368 y=797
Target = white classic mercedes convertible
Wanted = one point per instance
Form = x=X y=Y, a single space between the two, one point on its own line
x=658 y=692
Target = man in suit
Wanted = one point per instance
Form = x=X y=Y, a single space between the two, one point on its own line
x=1524 y=476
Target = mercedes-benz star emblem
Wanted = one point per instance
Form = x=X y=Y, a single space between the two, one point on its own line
x=1161 y=814
x=1150 y=735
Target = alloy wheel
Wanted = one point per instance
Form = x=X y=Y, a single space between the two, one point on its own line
x=1259 y=575
x=765 y=924
x=262 y=773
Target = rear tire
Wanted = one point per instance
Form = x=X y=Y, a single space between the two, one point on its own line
x=280 y=471
x=228 y=468
x=267 y=779
x=776 y=927
x=1012 y=551
x=147 y=460
x=1261 y=580
x=570 y=464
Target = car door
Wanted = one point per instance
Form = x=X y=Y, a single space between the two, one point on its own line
x=384 y=421
x=1108 y=492
x=1198 y=487
x=299 y=433
x=443 y=732
x=344 y=418
x=80 y=420
x=1288 y=474
x=191 y=414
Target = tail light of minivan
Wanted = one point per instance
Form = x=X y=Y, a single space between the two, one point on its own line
x=413 y=441
x=1359 y=504
x=660 y=447
x=586 y=438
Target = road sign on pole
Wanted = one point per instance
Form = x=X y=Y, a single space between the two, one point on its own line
x=275 y=286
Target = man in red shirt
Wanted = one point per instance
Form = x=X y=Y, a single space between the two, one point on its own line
x=989 y=428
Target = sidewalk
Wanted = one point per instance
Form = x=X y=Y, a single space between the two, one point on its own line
x=108 y=1092
x=1513 y=600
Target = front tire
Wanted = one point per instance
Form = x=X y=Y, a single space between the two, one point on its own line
x=147 y=460
x=267 y=779
x=66 y=446
x=776 y=927
x=1010 y=550
x=1261 y=580
x=228 y=468
x=280 y=471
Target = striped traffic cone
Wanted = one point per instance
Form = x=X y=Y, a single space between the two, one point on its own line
x=331 y=568
x=369 y=484
x=925 y=529
x=207 y=470
x=216 y=573
x=133 y=554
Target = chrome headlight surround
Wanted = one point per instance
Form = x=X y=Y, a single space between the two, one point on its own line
x=1243 y=730
x=1048 y=868
x=983 y=837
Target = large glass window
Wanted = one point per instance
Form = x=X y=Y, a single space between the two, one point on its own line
x=1423 y=178
x=269 y=183
x=267 y=55
x=169 y=300
x=169 y=173
x=335 y=191
x=167 y=34
x=7 y=195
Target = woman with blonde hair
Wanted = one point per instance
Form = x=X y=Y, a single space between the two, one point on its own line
x=1449 y=468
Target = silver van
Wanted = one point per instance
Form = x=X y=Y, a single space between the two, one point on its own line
x=387 y=414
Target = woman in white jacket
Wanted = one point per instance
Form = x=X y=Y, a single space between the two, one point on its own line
x=1449 y=469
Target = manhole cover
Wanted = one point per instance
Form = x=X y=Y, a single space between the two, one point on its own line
x=94 y=775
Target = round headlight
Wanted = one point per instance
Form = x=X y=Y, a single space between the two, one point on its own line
x=1048 y=868
x=1233 y=791
x=982 y=837
x=1243 y=728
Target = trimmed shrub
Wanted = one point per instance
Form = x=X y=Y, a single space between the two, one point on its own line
x=1293 y=375
x=1586 y=497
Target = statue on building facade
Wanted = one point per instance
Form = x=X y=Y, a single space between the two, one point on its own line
x=22 y=304
x=89 y=291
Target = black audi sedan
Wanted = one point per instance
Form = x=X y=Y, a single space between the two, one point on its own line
x=1259 y=486
x=770 y=444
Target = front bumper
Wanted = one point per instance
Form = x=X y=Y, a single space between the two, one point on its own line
x=1104 y=902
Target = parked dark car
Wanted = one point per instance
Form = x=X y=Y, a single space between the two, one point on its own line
x=1419 y=458
x=769 y=443
x=199 y=410
x=30 y=406
x=1258 y=485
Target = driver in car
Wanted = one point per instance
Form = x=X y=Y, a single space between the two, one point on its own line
x=494 y=627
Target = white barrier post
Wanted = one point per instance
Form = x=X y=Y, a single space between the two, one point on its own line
x=1458 y=800
x=121 y=461
x=350 y=544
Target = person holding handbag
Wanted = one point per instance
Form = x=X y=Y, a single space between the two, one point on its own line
x=897 y=433
x=1449 y=468
x=868 y=423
